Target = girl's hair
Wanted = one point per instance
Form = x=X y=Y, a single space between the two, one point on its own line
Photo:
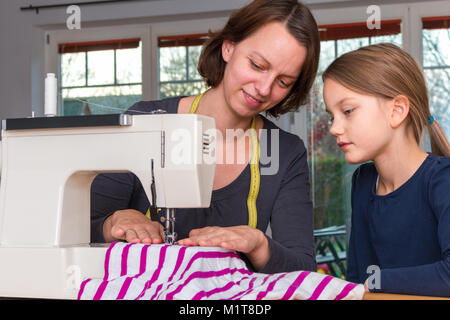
x=385 y=70
x=299 y=22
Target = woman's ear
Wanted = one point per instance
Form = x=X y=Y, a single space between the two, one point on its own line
x=399 y=111
x=227 y=50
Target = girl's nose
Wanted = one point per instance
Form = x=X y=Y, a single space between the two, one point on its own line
x=336 y=128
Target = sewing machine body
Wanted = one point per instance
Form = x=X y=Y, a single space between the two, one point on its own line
x=47 y=169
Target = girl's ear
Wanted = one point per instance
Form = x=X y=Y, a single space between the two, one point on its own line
x=399 y=111
x=227 y=50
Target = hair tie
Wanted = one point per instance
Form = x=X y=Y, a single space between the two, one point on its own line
x=430 y=121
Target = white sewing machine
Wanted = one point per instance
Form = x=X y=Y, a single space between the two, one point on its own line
x=48 y=165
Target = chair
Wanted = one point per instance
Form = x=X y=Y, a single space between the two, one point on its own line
x=331 y=249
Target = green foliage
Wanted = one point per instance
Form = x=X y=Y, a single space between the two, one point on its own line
x=99 y=105
x=329 y=192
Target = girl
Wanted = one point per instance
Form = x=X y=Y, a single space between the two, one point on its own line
x=378 y=102
x=264 y=59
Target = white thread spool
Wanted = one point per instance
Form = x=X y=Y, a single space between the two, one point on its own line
x=1 y=158
x=50 y=103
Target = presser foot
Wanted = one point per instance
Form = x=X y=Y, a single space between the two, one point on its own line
x=170 y=238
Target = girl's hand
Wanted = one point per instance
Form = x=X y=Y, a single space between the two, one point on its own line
x=366 y=286
x=132 y=226
x=250 y=241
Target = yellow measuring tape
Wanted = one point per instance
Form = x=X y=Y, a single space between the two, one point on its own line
x=254 y=167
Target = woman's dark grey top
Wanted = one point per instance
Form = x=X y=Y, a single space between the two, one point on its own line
x=283 y=199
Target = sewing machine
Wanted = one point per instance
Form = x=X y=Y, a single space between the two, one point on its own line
x=48 y=165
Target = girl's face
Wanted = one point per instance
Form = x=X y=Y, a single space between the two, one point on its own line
x=360 y=122
x=261 y=69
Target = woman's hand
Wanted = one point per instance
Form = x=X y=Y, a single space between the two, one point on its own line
x=132 y=226
x=250 y=241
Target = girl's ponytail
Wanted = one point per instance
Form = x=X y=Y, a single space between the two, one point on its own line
x=438 y=141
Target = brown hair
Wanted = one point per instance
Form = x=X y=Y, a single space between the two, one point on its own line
x=386 y=71
x=299 y=22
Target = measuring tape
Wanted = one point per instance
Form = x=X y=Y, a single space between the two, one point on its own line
x=254 y=167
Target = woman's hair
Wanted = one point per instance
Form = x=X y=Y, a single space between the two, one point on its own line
x=386 y=71
x=299 y=22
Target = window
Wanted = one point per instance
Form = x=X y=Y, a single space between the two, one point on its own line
x=100 y=77
x=178 y=58
x=330 y=174
x=436 y=65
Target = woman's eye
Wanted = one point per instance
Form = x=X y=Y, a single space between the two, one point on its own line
x=284 y=84
x=256 y=66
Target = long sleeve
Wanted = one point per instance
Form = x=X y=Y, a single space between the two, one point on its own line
x=111 y=192
x=432 y=278
x=292 y=246
x=360 y=252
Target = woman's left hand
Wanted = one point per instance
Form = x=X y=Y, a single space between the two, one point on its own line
x=250 y=241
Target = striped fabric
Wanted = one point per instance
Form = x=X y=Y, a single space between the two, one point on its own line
x=138 y=271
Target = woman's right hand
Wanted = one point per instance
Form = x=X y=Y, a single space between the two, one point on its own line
x=132 y=226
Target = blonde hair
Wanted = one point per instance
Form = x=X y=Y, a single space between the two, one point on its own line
x=385 y=70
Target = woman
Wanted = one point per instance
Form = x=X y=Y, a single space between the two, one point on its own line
x=265 y=59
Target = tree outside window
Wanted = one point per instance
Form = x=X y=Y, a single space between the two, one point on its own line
x=436 y=65
x=178 y=59
x=100 y=77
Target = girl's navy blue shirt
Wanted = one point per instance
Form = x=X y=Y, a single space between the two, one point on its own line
x=405 y=233
x=283 y=199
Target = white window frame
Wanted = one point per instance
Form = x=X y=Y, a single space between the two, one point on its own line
x=411 y=19
x=173 y=29
x=410 y=15
x=54 y=38
x=419 y=11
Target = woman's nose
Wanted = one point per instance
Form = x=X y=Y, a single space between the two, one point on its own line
x=264 y=85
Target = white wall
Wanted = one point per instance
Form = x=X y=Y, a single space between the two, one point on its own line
x=22 y=34
x=22 y=38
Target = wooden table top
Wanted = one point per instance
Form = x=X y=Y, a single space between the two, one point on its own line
x=390 y=296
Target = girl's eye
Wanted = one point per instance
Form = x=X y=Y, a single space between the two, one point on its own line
x=348 y=111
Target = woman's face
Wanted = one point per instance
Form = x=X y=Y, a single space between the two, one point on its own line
x=261 y=69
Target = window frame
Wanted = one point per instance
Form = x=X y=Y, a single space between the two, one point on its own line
x=410 y=14
x=187 y=41
x=56 y=37
x=417 y=12
x=86 y=76
x=173 y=29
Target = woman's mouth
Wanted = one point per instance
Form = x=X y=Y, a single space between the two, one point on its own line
x=251 y=101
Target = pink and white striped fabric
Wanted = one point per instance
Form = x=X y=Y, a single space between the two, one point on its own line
x=138 y=271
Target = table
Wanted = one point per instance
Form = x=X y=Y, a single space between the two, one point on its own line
x=390 y=296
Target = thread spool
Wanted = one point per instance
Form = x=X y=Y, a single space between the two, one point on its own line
x=1 y=158
x=50 y=103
